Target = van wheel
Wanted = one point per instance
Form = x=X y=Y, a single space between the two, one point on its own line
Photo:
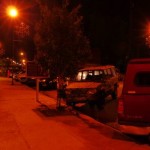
x=71 y=104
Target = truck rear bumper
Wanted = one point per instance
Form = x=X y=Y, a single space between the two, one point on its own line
x=136 y=130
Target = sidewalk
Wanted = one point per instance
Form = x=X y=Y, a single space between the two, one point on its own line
x=25 y=124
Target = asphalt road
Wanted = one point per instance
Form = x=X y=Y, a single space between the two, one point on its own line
x=106 y=114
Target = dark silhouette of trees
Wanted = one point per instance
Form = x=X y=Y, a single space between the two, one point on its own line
x=60 y=43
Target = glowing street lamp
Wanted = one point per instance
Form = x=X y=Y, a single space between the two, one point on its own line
x=21 y=53
x=23 y=60
x=12 y=12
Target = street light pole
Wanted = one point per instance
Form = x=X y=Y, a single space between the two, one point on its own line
x=13 y=55
x=13 y=13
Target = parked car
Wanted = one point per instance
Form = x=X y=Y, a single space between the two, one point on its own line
x=17 y=74
x=50 y=82
x=11 y=72
x=45 y=83
x=92 y=84
x=134 y=103
x=22 y=76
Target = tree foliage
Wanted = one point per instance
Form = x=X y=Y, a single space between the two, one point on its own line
x=61 y=45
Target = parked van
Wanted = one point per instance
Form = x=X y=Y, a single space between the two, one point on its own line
x=134 y=103
x=92 y=84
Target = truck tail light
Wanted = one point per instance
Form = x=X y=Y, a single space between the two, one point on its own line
x=120 y=107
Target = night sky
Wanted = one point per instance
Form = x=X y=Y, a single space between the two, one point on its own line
x=116 y=28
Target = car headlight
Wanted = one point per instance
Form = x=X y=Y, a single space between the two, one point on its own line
x=43 y=80
x=91 y=91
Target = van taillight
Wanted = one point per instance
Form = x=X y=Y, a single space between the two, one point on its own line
x=120 y=107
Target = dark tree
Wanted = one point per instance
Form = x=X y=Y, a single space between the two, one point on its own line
x=61 y=45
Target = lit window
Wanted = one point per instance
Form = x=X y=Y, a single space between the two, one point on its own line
x=84 y=75
x=96 y=72
x=79 y=76
x=101 y=72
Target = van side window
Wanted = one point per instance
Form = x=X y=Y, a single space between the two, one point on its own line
x=101 y=72
x=109 y=72
x=96 y=72
x=84 y=75
x=90 y=72
x=142 y=79
x=113 y=71
x=105 y=72
x=79 y=76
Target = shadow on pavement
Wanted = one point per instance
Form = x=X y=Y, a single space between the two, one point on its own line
x=104 y=114
x=50 y=112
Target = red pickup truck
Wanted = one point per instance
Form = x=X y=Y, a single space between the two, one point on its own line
x=134 y=103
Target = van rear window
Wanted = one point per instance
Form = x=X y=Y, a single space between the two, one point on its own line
x=142 y=79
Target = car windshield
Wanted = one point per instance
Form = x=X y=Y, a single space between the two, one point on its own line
x=90 y=75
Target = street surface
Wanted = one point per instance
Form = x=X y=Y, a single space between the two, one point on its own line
x=29 y=125
x=106 y=115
